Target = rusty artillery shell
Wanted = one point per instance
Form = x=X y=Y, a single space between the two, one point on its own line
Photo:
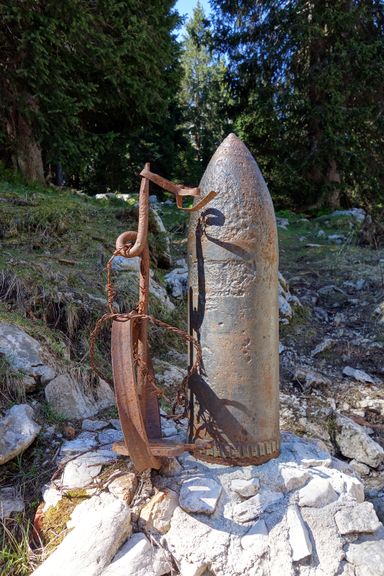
x=233 y=311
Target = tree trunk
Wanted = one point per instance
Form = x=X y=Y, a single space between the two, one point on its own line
x=29 y=158
x=27 y=153
x=333 y=178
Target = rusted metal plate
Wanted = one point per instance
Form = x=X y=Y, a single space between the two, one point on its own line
x=127 y=399
x=233 y=311
x=161 y=448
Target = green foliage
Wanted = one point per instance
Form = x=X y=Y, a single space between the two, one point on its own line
x=307 y=82
x=204 y=97
x=80 y=80
x=16 y=557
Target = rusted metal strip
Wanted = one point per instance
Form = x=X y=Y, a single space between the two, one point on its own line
x=178 y=190
x=145 y=375
x=164 y=448
x=127 y=399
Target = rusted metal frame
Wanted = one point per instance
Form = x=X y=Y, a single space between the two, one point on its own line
x=127 y=399
x=145 y=375
x=131 y=363
x=179 y=191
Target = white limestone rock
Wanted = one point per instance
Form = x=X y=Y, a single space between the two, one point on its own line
x=359 y=518
x=158 y=512
x=100 y=526
x=327 y=542
x=74 y=399
x=287 y=302
x=161 y=294
x=358 y=375
x=110 y=436
x=354 y=442
x=81 y=471
x=298 y=535
x=168 y=374
x=84 y=441
x=51 y=496
x=168 y=428
x=177 y=282
x=343 y=483
x=266 y=540
x=322 y=347
x=317 y=493
x=360 y=468
x=245 y=488
x=25 y=354
x=17 y=431
x=199 y=495
x=124 y=487
x=293 y=477
x=120 y=263
x=253 y=507
x=355 y=489
x=10 y=502
x=93 y=425
x=366 y=557
x=138 y=557
x=256 y=538
x=198 y=542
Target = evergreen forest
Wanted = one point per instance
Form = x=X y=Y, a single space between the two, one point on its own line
x=90 y=90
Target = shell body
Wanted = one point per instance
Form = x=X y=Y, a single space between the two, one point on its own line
x=233 y=311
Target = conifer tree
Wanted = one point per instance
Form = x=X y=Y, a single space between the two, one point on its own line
x=204 y=96
x=307 y=80
x=80 y=79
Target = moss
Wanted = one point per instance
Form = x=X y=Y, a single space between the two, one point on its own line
x=55 y=519
x=301 y=317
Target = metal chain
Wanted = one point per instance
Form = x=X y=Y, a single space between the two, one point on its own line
x=113 y=315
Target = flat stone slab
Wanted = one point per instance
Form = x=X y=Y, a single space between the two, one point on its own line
x=245 y=488
x=367 y=557
x=256 y=538
x=100 y=526
x=93 y=425
x=255 y=506
x=199 y=495
x=81 y=471
x=298 y=535
x=138 y=557
x=358 y=518
x=83 y=442
x=317 y=493
x=17 y=431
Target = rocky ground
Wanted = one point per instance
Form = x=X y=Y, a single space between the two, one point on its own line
x=70 y=505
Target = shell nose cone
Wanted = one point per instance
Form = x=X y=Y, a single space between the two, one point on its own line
x=232 y=148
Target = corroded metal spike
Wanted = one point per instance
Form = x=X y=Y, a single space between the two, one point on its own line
x=233 y=311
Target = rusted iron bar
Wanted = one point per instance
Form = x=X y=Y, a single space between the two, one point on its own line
x=233 y=312
x=179 y=191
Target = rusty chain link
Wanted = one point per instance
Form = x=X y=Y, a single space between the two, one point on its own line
x=113 y=315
